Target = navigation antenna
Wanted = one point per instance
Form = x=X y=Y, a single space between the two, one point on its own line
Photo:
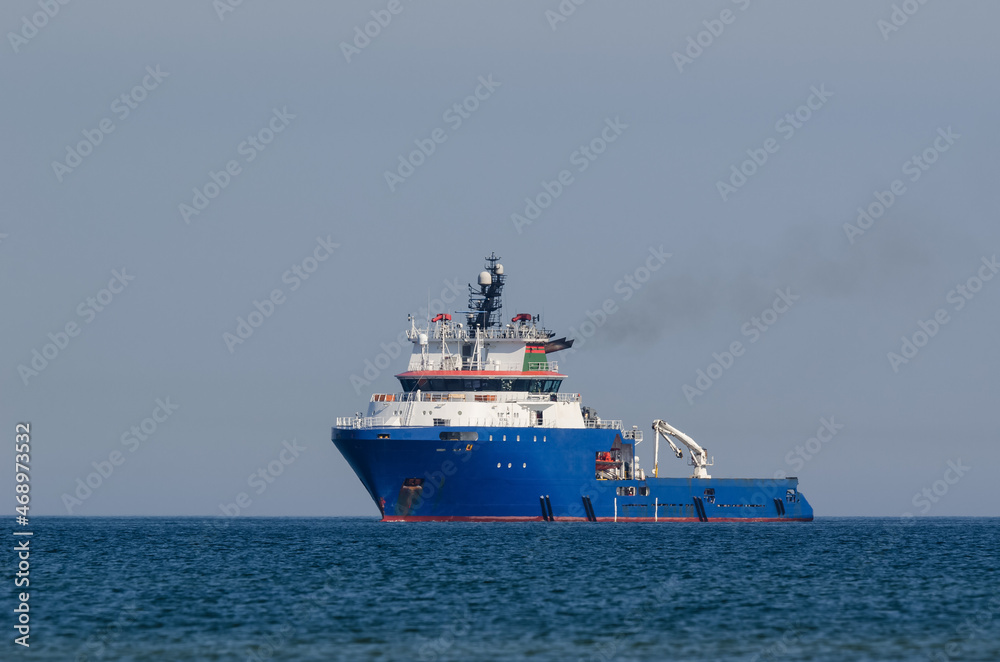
x=484 y=301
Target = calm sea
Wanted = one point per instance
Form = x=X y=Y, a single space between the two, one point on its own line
x=357 y=589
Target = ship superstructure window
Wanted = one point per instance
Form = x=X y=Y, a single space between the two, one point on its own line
x=459 y=435
x=410 y=384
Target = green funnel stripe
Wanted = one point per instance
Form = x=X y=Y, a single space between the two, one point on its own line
x=534 y=358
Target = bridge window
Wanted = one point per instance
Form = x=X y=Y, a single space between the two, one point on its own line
x=411 y=384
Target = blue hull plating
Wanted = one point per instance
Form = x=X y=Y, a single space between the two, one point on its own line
x=518 y=473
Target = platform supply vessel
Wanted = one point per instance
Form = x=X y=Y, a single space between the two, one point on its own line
x=482 y=431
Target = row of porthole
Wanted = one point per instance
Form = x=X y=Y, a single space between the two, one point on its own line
x=535 y=438
x=524 y=465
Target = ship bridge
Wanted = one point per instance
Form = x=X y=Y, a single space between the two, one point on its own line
x=483 y=371
x=483 y=354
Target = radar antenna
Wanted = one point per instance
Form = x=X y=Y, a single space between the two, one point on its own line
x=484 y=299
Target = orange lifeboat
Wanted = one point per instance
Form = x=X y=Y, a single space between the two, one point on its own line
x=604 y=461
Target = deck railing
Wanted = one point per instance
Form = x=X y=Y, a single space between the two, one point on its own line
x=369 y=422
x=456 y=363
x=603 y=424
x=451 y=331
x=473 y=396
x=363 y=423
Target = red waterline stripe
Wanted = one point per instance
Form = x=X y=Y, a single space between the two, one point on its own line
x=480 y=374
x=514 y=518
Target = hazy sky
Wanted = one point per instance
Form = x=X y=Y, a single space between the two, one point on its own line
x=190 y=161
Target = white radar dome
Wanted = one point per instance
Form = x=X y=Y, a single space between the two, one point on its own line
x=423 y=338
x=499 y=270
x=485 y=278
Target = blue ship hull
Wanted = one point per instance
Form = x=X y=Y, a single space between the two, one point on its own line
x=536 y=474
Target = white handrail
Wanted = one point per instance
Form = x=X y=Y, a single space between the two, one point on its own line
x=602 y=424
x=454 y=363
x=471 y=396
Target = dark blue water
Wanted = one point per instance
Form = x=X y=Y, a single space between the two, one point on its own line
x=357 y=589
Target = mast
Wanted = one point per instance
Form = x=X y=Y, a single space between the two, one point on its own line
x=484 y=300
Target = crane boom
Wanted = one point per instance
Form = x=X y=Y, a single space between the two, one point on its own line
x=699 y=457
